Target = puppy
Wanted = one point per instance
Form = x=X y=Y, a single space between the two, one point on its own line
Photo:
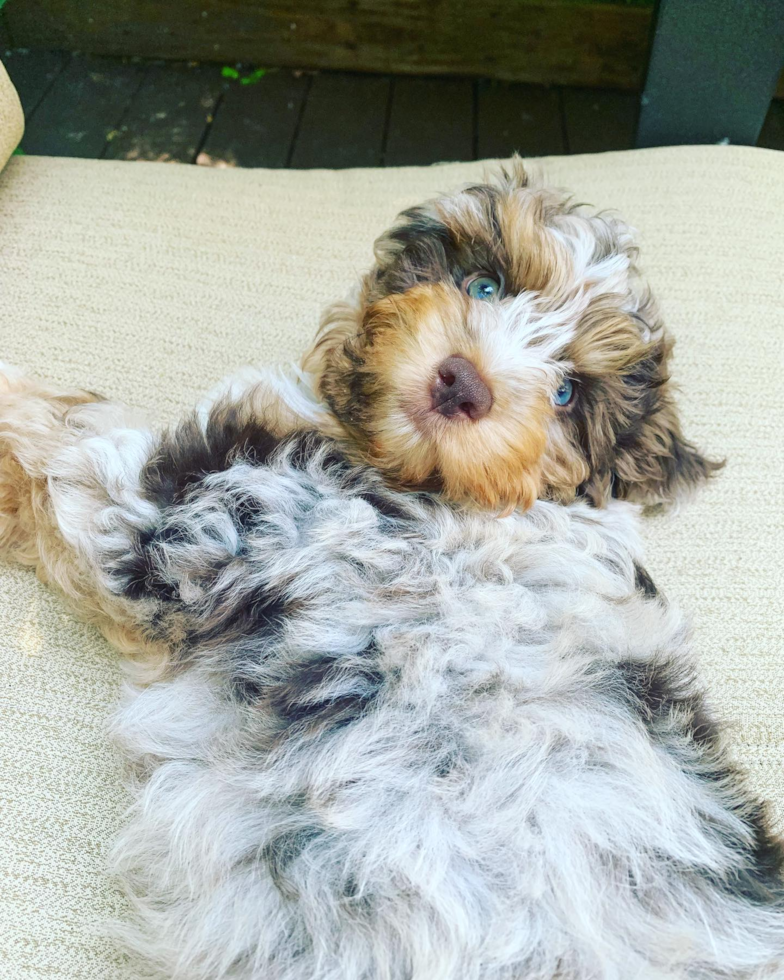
x=505 y=349
x=383 y=733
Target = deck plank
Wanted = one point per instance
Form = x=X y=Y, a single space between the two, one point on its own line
x=255 y=124
x=33 y=73
x=90 y=106
x=85 y=103
x=168 y=118
x=772 y=135
x=431 y=119
x=599 y=119
x=342 y=122
x=516 y=118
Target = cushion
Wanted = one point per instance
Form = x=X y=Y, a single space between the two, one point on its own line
x=11 y=118
x=150 y=282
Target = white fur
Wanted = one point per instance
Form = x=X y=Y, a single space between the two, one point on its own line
x=429 y=766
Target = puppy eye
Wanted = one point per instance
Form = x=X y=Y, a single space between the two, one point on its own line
x=564 y=393
x=482 y=287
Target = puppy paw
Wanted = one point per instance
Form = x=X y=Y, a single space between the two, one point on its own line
x=10 y=376
x=32 y=431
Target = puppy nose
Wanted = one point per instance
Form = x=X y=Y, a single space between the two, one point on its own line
x=458 y=390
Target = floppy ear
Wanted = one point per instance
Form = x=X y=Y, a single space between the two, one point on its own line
x=660 y=465
x=653 y=462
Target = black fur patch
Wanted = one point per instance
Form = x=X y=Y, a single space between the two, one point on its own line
x=140 y=573
x=326 y=693
x=245 y=513
x=449 y=762
x=245 y=685
x=674 y=712
x=664 y=697
x=428 y=249
x=644 y=583
x=626 y=425
x=304 y=447
x=384 y=504
x=350 y=887
x=189 y=453
x=260 y=614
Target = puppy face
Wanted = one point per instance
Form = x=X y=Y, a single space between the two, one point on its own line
x=503 y=349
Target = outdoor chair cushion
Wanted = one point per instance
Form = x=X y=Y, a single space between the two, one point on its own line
x=150 y=282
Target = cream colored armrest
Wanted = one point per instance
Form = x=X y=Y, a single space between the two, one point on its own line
x=11 y=117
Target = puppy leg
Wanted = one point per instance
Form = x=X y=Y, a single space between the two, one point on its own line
x=69 y=470
x=142 y=533
x=284 y=395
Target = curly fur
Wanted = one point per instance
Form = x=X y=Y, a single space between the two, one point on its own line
x=377 y=733
x=391 y=738
x=572 y=304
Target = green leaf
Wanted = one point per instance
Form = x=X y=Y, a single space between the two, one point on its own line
x=254 y=77
x=228 y=72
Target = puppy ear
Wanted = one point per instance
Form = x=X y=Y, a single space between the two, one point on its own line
x=653 y=462
x=660 y=465
x=332 y=359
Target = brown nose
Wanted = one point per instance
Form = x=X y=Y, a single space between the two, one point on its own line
x=458 y=390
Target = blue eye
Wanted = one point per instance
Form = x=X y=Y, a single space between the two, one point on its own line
x=565 y=392
x=482 y=287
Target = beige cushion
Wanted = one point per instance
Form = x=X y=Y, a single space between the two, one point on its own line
x=11 y=118
x=149 y=282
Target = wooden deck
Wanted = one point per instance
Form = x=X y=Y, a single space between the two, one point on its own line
x=110 y=108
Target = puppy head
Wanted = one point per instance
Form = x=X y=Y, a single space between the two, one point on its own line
x=504 y=349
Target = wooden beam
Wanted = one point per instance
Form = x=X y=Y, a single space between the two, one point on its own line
x=542 y=41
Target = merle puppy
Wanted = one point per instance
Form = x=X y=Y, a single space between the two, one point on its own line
x=380 y=732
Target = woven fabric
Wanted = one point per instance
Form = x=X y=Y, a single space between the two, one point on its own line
x=11 y=118
x=149 y=283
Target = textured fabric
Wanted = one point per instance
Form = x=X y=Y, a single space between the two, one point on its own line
x=11 y=118
x=150 y=283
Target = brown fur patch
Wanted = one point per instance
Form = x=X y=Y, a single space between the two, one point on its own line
x=607 y=341
x=378 y=383
x=538 y=260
